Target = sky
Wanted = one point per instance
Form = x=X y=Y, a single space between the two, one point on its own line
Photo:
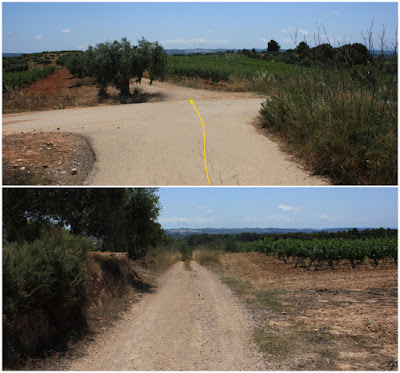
x=266 y=207
x=51 y=26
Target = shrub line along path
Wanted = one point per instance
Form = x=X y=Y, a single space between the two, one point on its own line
x=161 y=143
x=192 y=322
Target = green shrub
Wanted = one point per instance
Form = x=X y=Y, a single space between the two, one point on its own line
x=342 y=122
x=46 y=277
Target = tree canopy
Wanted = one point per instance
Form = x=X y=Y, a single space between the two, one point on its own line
x=116 y=63
x=273 y=46
x=124 y=219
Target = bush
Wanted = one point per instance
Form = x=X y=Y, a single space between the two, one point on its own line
x=44 y=292
x=342 y=122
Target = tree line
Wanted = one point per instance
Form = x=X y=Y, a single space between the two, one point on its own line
x=120 y=219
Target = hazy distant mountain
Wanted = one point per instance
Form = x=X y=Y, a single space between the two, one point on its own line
x=12 y=54
x=204 y=51
x=182 y=232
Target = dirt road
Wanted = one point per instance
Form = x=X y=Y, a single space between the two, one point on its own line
x=190 y=323
x=161 y=143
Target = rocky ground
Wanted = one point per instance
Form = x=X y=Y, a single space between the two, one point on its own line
x=46 y=158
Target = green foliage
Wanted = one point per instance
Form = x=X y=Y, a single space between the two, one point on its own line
x=323 y=52
x=123 y=219
x=343 y=122
x=48 y=274
x=19 y=79
x=354 y=54
x=226 y=67
x=354 y=250
x=14 y=64
x=273 y=46
x=116 y=63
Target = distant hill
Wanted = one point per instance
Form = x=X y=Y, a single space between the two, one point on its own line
x=183 y=232
x=204 y=51
x=12 y=54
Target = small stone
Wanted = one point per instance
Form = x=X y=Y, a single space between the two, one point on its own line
x=22 y=168
x=45 y=166
x=19 y=160
x=74 y=171
x=58 y=128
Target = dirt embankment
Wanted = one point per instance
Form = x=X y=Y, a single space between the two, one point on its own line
x=114 y=284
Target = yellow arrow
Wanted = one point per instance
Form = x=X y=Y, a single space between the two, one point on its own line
x=204 y=139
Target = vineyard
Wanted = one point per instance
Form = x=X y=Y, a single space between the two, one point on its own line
x=330 y=251
x=225 y=67
x=20 y=71
x=19 y=79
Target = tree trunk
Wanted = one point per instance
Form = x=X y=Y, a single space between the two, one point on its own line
x=124 y=87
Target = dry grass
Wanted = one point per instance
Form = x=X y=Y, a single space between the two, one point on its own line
x=318 y=320
x=187 y=264
x=205 y=256
x=235 y=85
x=162 y=259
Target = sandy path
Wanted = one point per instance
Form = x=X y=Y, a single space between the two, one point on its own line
x=161 y=143
x=190 y=323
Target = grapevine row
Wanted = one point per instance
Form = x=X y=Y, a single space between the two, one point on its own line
x=330 y=250
x=19 y=79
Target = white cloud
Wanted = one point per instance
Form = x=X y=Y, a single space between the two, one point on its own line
x=289 y=29
x=324 y=217
x=304 y=32
x=284 y=207
x=66 y=30
x=336 y=13
x=38 y=37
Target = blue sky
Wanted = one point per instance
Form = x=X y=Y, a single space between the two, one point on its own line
x=332 y=207
x=35 y=27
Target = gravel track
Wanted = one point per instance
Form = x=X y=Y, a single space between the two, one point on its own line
x=161 y=143
x=192 y=322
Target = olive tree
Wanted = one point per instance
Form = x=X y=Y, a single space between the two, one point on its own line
x=116 y=63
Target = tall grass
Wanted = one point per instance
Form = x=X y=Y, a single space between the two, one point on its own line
x=205 y=256
x=342 y=122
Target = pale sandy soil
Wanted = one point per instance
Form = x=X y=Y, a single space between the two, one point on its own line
x=191 y=322
x=161 y=143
